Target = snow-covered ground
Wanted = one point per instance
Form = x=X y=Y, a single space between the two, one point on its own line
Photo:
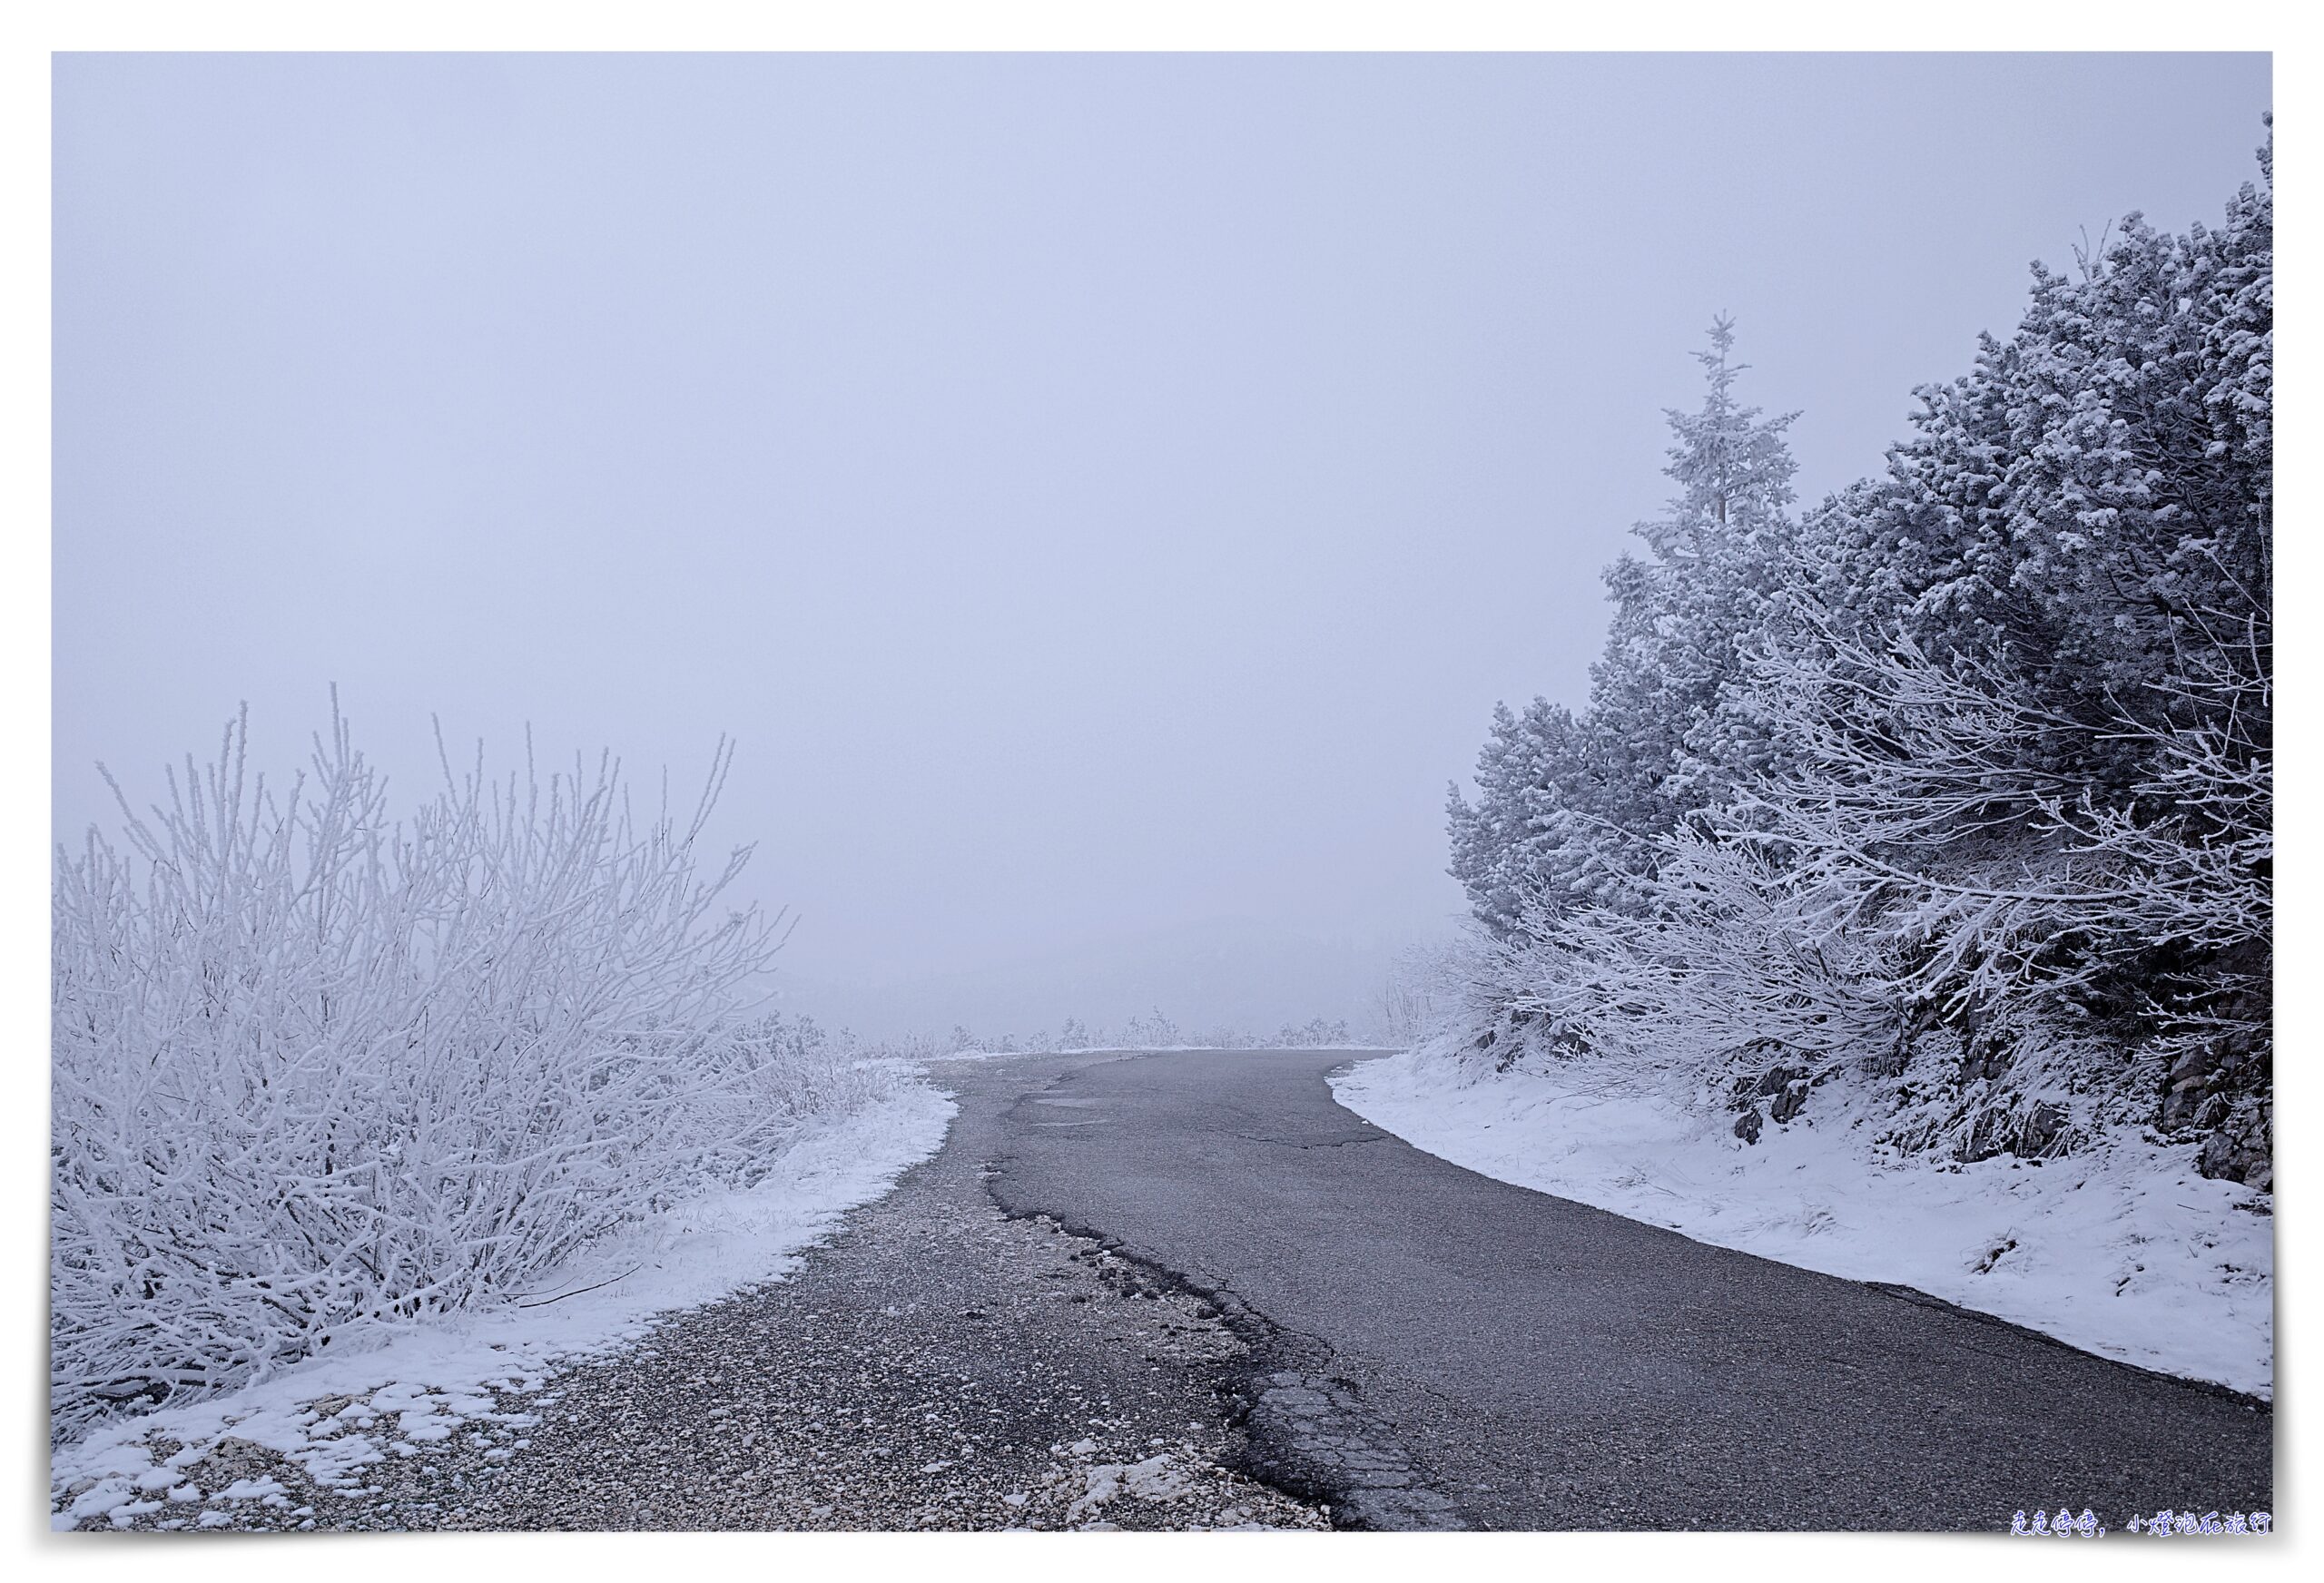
x=460 y=1376
x=2125 y=1251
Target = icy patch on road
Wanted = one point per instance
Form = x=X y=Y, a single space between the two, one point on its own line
x=338 y=1414
x=2125 y=1251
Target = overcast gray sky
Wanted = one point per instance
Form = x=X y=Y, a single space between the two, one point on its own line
x=1104 y=495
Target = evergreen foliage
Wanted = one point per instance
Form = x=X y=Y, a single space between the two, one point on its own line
x=1962 y=780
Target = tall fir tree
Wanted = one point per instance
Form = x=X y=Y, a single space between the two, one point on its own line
x=1569 y=809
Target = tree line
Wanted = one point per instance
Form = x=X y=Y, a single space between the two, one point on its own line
x=1958 y=783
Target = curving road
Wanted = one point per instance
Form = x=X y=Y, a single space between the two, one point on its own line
x=1434 y=1348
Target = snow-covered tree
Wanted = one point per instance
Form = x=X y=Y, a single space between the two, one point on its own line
x=2028 y=676
x=1542 y=837
x=1971 y=766
x=1569 y=809
x=1685 y=613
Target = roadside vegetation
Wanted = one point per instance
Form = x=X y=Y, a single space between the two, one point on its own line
x=1948 y=799
x=320 y=1073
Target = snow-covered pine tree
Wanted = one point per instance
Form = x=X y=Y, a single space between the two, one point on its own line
x=1541 y=839
x=1686 y=612
x=1569 y=809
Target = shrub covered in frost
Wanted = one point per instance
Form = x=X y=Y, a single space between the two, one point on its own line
x=318 y=1071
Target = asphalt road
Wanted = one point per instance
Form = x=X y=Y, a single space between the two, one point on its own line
x=1435 y=1348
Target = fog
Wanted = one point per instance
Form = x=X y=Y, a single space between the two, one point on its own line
x=1103 y=496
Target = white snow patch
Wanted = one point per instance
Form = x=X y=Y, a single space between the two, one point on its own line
x=1152 y=1479
x=2125 y=1251
x=414 y=1392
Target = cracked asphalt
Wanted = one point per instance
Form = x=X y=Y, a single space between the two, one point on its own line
x=1531 y=1363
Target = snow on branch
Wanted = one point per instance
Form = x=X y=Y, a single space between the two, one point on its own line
x=318 y=1071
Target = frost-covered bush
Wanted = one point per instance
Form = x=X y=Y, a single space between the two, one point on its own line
x=318 y=1071
x=1423 y=983
x=1155 y=1031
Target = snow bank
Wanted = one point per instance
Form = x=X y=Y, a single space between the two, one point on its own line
x=338 y=1414
x=2125 y=1251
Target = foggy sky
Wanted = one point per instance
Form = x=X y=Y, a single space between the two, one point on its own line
x=1105 y=495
